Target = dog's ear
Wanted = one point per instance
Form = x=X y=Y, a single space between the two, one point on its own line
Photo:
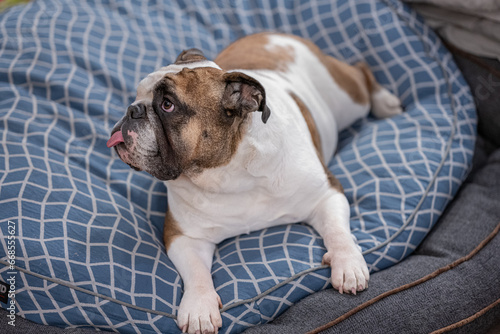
x=244 y=94
x=190 y=56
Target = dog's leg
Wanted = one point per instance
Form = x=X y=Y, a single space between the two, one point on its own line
x=200 y=304
x=383 y=102
x=331 y=220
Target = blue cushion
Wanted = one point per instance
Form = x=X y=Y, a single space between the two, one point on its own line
x=89 y=249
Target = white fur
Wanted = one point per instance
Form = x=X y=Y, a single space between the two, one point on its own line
x=385 y=104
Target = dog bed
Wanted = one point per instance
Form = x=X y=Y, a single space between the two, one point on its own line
x=88 y=229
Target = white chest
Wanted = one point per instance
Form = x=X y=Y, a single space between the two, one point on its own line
x=258 y=189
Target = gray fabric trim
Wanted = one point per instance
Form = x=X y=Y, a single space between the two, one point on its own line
x=305 y=272
x=421 y=283
x=276 y=287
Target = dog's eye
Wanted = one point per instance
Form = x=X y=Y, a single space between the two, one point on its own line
x=167 y=106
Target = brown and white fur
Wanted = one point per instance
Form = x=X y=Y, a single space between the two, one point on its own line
x=242 y=144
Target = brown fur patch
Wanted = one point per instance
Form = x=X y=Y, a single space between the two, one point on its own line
x=190 y=56
x=171 y=229
x=350 y=78
x=311 y=125
x=371 y=83
x=334 y=182
x=249 y=53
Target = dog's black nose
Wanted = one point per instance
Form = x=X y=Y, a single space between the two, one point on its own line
x=137 y=111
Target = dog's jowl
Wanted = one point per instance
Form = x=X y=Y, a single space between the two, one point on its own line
x=241 y=143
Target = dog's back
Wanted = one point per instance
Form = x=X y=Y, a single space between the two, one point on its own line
x=325 y=85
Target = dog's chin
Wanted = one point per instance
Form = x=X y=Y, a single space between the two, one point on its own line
x=125 y=156
x=150 y=162
x=135 y=168
x=154 y=167
x=163 y=175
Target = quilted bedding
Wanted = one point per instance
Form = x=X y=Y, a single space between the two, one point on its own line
x=88 y=229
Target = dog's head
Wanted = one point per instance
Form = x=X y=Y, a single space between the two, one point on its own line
x=187 y=116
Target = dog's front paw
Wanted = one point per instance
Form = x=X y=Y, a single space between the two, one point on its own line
x=349 y=271
x=199 y=312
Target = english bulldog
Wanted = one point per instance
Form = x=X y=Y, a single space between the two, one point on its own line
x=242 y=143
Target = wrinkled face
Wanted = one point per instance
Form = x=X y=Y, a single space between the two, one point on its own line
x=187 y=117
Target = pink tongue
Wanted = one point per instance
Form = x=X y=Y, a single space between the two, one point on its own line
x=115 y=139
